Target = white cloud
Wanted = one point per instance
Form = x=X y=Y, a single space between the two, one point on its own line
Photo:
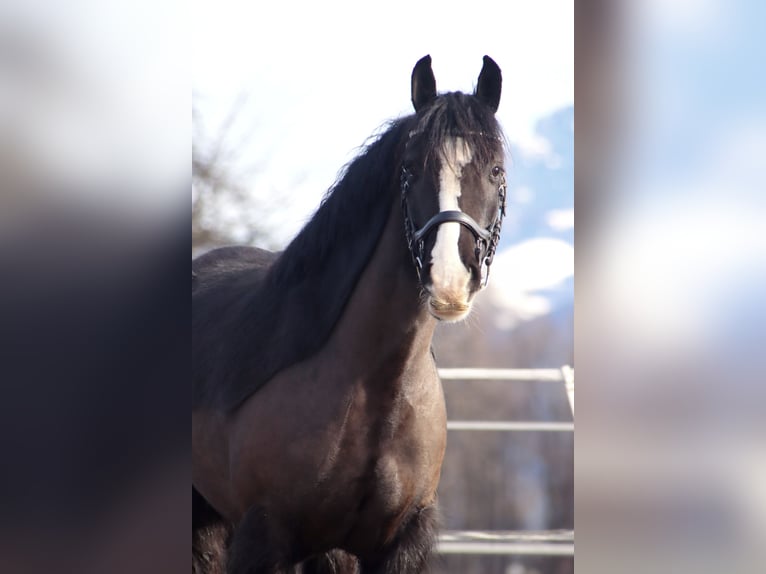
x=534 y=264
x=560 y=219
x=531 y=144
x=519 y=307
x=522 y=270
x=522 y=195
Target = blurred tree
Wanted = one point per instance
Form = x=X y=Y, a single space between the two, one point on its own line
x=224 y=209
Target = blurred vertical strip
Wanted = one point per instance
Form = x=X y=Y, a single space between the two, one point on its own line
x=670 y=471
x=599 y=46
x=94 y=235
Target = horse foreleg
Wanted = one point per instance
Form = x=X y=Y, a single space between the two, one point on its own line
x=410 y=550
x=254 y=549
x=209 y=535
x=334 y=562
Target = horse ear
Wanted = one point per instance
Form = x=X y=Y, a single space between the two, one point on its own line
x=423 y=83
x=490 y=84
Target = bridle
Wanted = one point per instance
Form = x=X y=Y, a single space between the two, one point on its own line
x=486 y=238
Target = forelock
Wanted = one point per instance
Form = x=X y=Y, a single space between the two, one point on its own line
x=458 y=115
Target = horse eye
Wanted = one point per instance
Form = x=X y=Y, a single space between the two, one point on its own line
x=496 y=171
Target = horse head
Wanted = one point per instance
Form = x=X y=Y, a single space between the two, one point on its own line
x=453 y=188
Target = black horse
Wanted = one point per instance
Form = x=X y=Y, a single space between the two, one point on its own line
x=318 y=421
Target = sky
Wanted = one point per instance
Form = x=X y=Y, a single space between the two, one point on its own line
x=349 y=59
x=311 y=82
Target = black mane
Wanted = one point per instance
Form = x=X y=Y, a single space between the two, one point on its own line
x=249 y=323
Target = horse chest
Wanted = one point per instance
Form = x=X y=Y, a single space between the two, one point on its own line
x=353 y=458
x=395 y=449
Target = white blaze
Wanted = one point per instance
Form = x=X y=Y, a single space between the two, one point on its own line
x=448 y=273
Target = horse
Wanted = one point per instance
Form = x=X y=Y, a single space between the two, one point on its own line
x=318 y=417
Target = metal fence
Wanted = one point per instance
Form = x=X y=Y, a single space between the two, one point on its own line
x=541 y=543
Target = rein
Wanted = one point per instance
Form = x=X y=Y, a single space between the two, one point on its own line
x=487 y=238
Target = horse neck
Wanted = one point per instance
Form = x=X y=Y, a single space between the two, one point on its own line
x=385 y=323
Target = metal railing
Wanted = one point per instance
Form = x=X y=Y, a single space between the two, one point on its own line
x=540 y=543
x=564 y=375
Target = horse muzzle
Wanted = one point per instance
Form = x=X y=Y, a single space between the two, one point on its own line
x=449 y=310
